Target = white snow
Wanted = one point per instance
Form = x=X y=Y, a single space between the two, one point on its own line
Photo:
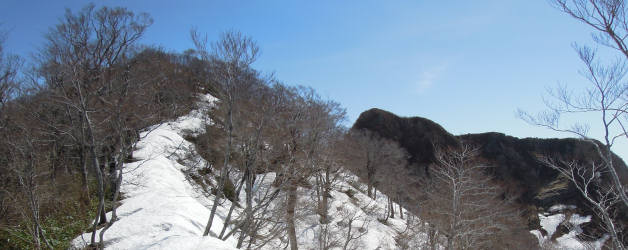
x=161 y=210
x=560 y=207
x=549 y=222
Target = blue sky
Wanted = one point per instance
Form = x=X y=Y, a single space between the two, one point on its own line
x=467 y=65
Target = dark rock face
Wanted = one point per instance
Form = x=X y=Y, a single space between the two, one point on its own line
x=417 y=135
x=515 y=161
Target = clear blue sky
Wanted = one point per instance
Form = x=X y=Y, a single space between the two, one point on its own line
x=467 y=65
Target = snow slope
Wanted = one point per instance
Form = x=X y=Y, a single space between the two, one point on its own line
x=162 y=209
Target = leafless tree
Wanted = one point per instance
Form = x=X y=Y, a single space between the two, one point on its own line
x=9 y=65
x=606 y=97
x=232 y=54
x=321 y=148
x=368 y=153
x=80 y=54
x=393 y=179
x=462 y=203
x=295 y=169
x=261 y=110
x=253 y=162
x=600 y=196
x=26 y=164
x=263 y=220
x=327 y=237
x=329 y=173
x=129 y=108
x=303 y=124
x=606 y=17
x=256 y=105
x=354 y=225
x=8 y=71
x=415 y=235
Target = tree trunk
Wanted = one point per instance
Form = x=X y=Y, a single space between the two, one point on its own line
x=621 y=191
x=392 y=209
x=223 y=171
x=101 y=196
x=450 y=242
x=85 y=200
x=348 y=239
x=326 y=194
x=101 y=192
x=290 y=217
x=233 y=205
x=369 y=177
x=116 y=188
x=103 y=213
x=33 y=201
x=248 y=210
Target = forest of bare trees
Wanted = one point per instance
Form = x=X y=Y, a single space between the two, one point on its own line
x=70 y=120
x=269 y=127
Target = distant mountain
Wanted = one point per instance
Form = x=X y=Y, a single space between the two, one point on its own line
x=514 y=161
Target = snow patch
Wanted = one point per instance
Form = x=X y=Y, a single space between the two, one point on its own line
x=560 y=207
x=556 y=216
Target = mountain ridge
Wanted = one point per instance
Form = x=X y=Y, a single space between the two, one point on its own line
x=515 y=160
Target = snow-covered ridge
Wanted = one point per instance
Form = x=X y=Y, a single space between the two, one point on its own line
x=162 y=209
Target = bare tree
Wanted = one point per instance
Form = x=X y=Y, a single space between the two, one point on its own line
x=261 y=110
x=329 y=173
x=296 y=168
x=253 y=160
x=26 y=164
x=9 y=65
x=232 y=54
x=354 y=224
x=606 y=97
x=606 y=17
x=393 y=178
x=256 y=105
x=600 y=196
x=368 y=153
x=129 y=108
x=462 y=203
x=321 y=148
x=263 y=210
x=82 y=51
x=304 y=122
x=8 y=71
